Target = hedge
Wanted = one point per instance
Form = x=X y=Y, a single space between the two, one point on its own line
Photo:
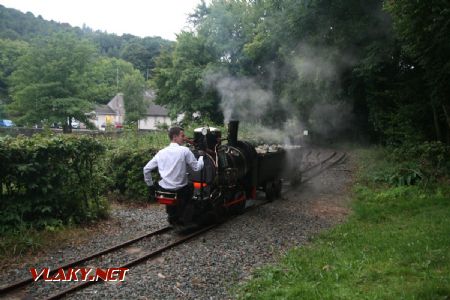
x=125 y=171
x=49 y=181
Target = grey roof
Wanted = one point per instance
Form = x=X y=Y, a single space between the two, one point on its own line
x=102 y=109
x=156 y=110
x=116 y=106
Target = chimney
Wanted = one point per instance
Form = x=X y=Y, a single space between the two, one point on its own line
x=233 y=132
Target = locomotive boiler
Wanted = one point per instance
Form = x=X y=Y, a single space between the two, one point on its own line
x=232 y=174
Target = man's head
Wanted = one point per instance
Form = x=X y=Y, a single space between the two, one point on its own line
x=176 y=135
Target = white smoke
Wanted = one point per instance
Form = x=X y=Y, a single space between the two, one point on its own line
x=241 y=98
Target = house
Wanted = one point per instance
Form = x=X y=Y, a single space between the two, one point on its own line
x=155 y=115
x=113 y=113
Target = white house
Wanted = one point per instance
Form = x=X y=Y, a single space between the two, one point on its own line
x=155 y=115
x=113 y=113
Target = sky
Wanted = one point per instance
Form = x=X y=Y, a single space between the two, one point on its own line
x=142 y=18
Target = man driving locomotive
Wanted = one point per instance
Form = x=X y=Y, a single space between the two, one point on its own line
x=172 y=162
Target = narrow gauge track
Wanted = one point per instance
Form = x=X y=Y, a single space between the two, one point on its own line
x=320 y=167
x=19 y=284
x=315 y=169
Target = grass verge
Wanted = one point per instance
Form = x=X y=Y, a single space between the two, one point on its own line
x=27 y=244
x=396 y=245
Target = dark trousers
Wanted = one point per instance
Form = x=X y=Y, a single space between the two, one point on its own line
x=183 y=211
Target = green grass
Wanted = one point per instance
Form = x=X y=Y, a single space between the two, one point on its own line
x=396 y=245
x=16 y=246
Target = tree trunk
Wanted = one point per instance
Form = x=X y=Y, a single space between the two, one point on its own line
x=67 y=127
x=446 y=113
x=448 y=136
x=436 y=123
x=447 y=118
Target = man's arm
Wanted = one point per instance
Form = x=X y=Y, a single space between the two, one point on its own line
x=196 y=165
x=149 y=167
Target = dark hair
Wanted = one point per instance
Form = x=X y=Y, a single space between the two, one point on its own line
x=173 y=131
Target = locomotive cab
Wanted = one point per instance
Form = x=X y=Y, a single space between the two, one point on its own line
x=207 y=138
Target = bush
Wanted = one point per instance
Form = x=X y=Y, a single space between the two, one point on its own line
x=412 y=164
x=431 y=159
x=50 y=181
x=125 y=172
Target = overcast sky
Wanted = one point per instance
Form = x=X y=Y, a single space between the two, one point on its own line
x=142 y=18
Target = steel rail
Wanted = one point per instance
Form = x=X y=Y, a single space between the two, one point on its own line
x=320 y=163
x=8 y=288
x=337 y=161
x=136 y=261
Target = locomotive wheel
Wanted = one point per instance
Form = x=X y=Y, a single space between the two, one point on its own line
x=208 y=218
x=240 y=207
x=278 y=185
x=270 y=191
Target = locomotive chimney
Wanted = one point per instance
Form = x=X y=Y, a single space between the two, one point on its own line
x=233 y=132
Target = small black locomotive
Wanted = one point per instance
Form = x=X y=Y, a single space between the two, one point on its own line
x=231 y=175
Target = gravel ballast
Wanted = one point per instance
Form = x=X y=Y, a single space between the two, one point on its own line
x=209 y=266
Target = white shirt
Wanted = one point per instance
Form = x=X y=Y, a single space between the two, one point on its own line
x=171 y=163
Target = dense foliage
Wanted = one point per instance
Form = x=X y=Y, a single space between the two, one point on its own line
x=125 y=160
x=133 y=87
x=10 y=51
x=50 y=181
x=126 y=175
x=65 y=70
x=50 y=79
x=423 y=28
x=352 y=68
x=61 y=77
x=141 y=52
x=373 y=69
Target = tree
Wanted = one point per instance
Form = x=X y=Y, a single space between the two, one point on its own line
x=227 y=26
x=142 y=53
x=10 y=51
x=104 y=79
x=48 y=84
x=133 y=87
x=423 y=27
x=319 y=54
x=179 y=78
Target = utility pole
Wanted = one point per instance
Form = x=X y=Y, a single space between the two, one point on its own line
x=117 y=79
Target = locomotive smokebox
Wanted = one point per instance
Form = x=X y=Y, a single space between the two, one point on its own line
x=233 y=127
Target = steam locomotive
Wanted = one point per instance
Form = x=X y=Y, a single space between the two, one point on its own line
x=232 y=174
